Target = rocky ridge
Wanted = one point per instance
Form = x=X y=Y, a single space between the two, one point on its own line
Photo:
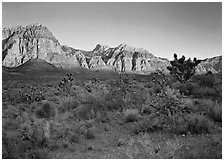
x=21 y=44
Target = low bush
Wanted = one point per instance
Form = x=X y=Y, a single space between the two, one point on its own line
x=148 y=125
x=67 y=104
x=147 y=110
x=75 y=138
x=215 y=112
x=89 y=134
x=205 y=80
x=46 y=111
x=84 y=111
x=38 y=154
x=198 y=124
x=187 y=88
x=131 y=115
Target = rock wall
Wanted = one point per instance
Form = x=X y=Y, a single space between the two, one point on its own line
x=131 y=60
x=20 y=44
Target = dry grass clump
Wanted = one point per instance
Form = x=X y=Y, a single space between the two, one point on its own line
x=131 y=115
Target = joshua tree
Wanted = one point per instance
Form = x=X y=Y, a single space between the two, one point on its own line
x=183 y=69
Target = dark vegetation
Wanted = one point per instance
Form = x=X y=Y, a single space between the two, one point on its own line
x=77 y=115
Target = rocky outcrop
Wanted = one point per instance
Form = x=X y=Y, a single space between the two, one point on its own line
x=97 y=63
x=20 y=44
x=99 y=49
x=213 y=65
x=131 y=60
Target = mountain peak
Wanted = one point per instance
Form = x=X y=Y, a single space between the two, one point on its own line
x=34 y=30
x=100 y=48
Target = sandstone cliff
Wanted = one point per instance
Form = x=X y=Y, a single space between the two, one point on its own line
x=124 y=58
x=20 y=44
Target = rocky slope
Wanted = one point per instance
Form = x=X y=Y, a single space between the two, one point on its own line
x=210 y=64
x=21 y=44
x=124 y=58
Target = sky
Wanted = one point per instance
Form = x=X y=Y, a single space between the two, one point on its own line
x=163 y=28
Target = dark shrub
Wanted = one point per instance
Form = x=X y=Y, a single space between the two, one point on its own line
x=89 y=134
x=147 y=126
x=75 y=138
x=205 y=80
x=215 y=112
x=38 y=154
x=198 y=124
x=46 y=111
x=84 y=111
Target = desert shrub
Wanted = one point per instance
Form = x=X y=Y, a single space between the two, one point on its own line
x=205 y=80
x=84 y=111
x=198 y=124
x=215 y=112
x=34 y=132
x=170 y=102
x=46 y=111
x=28 y=140
x=66 y=84
x=38 y=154
x=89 y=134
x=114 y=102
x=75 y=138
x=186 y=88
x=131 y=115
x=148 y=125
x=147 y=110
x=54 y=147
x=67 y=104
x=9 y=149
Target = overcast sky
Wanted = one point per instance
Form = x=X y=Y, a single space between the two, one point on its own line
x=190 y=29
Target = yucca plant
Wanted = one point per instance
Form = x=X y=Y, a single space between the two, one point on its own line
x=46 y=112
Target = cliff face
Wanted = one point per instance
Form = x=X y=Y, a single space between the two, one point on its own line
x=128 y=59
x=21 y=44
